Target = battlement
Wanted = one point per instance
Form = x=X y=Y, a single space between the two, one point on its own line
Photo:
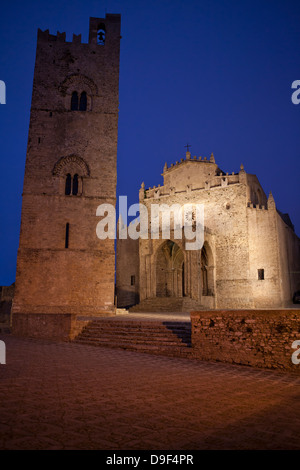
x=98 y=29
x=189 y=159
x=194 y=173
x=45 y=36
x=256 y=206
x=218 y=181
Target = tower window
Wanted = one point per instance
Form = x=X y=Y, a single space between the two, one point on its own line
x=132 y=281
x=75 y=185
x=79 y=104
x=72 y=185
x=101 y=34
x=83 y=101
x=74 y=101
x=261 y=274
x=68 y=185
x=67 y=235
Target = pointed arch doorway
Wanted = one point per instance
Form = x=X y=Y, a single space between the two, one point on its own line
x=169 y=270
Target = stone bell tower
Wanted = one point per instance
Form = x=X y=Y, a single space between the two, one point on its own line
x=62 y=267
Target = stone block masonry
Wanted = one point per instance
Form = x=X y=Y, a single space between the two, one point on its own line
x=259 y=338
x=63 y=268
x=251 y=254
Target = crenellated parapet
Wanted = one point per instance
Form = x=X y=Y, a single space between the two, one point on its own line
x=218 y=181
x=45 y=36
x=192 y=174
x=102 y=31
x=189 y=159
x=271 y=206
x=258 y=207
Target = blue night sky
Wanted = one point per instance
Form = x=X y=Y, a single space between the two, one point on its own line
x=216 y=74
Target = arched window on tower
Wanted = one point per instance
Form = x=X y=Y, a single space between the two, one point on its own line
x=83 y=101
x=68 y=185
x=74 y=101
x=75 y=185
x=101 y=34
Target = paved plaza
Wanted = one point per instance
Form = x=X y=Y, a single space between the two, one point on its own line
x=73 y=396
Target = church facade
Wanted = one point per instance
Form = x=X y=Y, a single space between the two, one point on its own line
x=250 y=256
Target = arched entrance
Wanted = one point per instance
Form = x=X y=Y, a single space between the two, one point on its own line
x=169 y=270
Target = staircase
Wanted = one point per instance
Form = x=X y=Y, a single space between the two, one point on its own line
x=171 y=338
x=158 y=304
x=166 y=304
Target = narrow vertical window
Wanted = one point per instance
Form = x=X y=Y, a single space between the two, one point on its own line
x=68 y=185
x=74 y=101
x=75 y=185
x=83 y=101
x=132 y=280
x=67 y=235
x=261 y=274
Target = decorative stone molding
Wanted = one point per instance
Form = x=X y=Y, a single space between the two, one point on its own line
x=78 y=82
x=63 y=162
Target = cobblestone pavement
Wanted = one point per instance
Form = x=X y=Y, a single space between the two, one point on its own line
x=72 y=396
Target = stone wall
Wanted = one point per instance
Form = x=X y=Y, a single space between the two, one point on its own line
x=289 y=254
x=57 y=327
x=6 y=297
x=260 y=338
x=127 y=272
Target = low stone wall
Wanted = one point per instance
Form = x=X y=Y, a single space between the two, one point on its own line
x=260 y=338
x=57 y=327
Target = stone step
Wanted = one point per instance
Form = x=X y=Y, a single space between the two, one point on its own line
x=139 y=323
x=136 y=336
x=137 y=328
x=159 y=337
x=172 y=351
x=132 y=341
x=95 y=332
x=166 y=304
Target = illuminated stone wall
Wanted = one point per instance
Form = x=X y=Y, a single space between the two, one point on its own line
x=253 y=254
x=74 y=272
x=127 y=274
x=260 y=338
